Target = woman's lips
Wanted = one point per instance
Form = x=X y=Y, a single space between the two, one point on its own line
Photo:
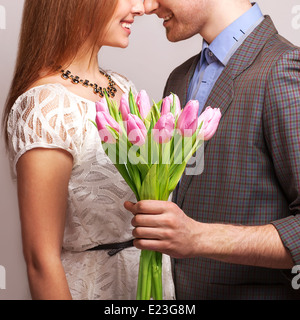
x=127 y=25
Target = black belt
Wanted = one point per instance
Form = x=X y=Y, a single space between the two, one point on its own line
x=113 y=248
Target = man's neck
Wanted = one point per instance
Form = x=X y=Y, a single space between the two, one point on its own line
x=222 y=16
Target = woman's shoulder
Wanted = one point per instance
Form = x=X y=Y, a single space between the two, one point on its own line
x=45 y=104
x=46 y=115
x=39 y=91
x=122 y=81
x=43 y=93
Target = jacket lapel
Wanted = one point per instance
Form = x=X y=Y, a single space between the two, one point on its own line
x=181 y=83
x=220 y=97
x=223 y=92
x=180 y=87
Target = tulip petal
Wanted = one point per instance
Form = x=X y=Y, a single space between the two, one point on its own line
x=124 y=106
x=164 y=128
x=211 y=119
x=103 y=121
x=143 y=103
x=171 y=104
x=136 y=130
x=188 y=120
x=101 y=105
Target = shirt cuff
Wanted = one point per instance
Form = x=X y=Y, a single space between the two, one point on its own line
x=289 y=232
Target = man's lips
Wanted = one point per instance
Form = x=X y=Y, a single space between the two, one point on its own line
x=168 y=17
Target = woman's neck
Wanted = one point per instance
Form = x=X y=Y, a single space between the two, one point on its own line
x=85 y=65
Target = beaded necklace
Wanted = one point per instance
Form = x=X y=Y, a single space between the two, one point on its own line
x=111 y=90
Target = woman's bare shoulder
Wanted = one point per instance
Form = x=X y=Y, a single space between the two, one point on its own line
x=52 y=79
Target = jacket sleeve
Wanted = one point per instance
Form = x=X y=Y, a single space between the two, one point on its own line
x=282 y=133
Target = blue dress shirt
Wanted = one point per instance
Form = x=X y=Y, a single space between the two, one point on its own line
x=214 y=57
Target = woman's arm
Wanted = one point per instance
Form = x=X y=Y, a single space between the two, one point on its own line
x=43 y=177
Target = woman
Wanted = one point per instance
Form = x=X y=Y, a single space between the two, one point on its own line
x=70 y=195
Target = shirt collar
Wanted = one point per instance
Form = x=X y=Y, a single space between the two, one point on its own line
x=222 y=48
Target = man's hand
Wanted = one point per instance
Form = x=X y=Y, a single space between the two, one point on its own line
x=162 y=226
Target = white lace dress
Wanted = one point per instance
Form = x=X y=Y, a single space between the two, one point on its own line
x=50 y=116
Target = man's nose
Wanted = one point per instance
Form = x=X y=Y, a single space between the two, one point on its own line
x=150 y=6
x=138 y=8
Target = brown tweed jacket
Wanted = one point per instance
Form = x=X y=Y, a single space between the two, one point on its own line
x=252 y=165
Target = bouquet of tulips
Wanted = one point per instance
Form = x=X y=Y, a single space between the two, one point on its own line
x=150 y=145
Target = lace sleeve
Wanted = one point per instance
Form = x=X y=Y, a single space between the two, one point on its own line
x=44 y=117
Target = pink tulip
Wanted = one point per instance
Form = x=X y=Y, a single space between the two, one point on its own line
x=124 y=106
x=166 y=105
x=164 y=128
x=143 y=103
x=101 y=105
x=188 y=120
x=211 y=119
x=104 y=119
x=136 y=130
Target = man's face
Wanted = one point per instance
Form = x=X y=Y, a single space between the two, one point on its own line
x=182 y=18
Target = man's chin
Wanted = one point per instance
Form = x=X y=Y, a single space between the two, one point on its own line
x=173 y=37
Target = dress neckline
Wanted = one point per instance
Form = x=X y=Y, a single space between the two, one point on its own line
x=57 y=84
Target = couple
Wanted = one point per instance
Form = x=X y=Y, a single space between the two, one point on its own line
x=234 y=232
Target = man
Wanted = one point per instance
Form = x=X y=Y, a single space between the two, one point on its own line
x=235 y=231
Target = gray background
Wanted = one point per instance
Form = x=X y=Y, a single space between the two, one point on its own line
x=147 y=62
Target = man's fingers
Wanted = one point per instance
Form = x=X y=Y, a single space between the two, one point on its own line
x=130 y=206
x=146 y=206
x=152 y=245
x=148 y=220
x=146 y=233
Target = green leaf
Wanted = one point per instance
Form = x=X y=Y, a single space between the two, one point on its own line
x=163 y=181
x=144 y=169
x=133 y=106
x=173 y=106
x=124 y=173
x=155 y=110
x=176 y=174
x=152 y=117
x=111 y=107
x=94 y=123
x=135 y=177
x=148 y=190
x=114 y=132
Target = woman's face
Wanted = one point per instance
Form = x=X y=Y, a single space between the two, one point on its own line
x=119 y=28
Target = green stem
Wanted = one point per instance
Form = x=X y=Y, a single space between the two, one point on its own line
x=149 y=278
x=139 y=286
x=145 y=274
x=156 y=274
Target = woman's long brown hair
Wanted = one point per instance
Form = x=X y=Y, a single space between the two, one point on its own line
x=51 y=35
